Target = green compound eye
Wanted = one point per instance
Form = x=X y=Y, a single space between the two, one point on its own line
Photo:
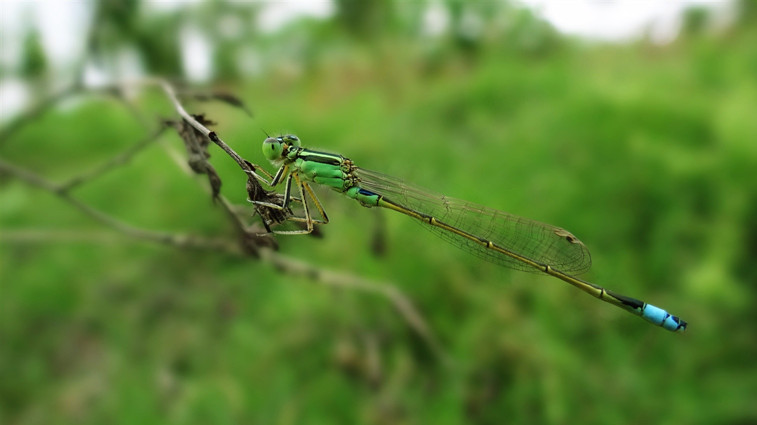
x=273 y=148
x=291 y=140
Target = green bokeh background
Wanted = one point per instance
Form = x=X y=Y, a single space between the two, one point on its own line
x=646 y=152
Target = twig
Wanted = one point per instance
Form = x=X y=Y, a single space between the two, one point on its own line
x=252 y=243
x=21 y=236
x=36 y=111
x=177 y=240
x=74 y=89
x=401 y=303
x=342 y=280
x=254 y=190
x=245 y=165
x=282 y=263
x=252 y=236
x=117 y=160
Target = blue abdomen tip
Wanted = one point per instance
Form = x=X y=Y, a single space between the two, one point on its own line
x=662 y=318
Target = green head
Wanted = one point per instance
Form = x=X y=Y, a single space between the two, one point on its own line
x=276 y=148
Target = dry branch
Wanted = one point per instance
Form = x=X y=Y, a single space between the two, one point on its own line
x=252 y=241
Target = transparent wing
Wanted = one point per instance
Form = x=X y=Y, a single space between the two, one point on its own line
x=542 y=243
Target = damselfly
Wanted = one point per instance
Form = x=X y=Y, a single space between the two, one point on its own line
x=495 y=236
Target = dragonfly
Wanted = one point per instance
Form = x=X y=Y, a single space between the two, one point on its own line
x=496 y=236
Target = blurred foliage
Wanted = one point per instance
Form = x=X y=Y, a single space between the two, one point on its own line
x=645 y=152
x=695 y=20
x=34 y=62
x=119 y=28
x=364 y=18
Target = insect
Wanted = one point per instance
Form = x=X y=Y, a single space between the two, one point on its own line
x=496 y=236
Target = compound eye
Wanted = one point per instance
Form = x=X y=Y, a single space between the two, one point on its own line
x=292 y=140
x=272 y=148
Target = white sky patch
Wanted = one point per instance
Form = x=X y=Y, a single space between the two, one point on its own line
x=61 y=24
x=169 y=5
x=95 y=76
x=196 y=53
x=10 y=33
x=64 y=23
x=618 y=20
x=66 y=44
x=14 y=97
x=280 y=12
x=435 y=20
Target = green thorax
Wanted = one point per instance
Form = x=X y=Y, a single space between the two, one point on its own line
x=332 y=170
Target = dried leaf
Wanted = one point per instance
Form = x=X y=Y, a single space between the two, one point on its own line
x=255 y=238
x=227 y=98
x=270 y=216
x=214 y=179
x=196 y=145
x=233 y=101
